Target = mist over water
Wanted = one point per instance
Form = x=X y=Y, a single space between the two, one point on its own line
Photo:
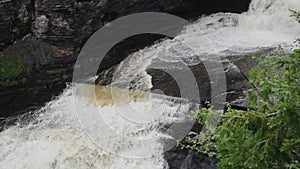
x=133 y=129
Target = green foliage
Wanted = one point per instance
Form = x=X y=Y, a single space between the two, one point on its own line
x=264 y=139
x=10 y=71
x=268 y=138
x=204 y=141
x=295 y=14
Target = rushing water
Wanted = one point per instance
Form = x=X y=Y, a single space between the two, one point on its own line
x=57 y=138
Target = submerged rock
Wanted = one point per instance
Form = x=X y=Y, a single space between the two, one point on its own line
x=187 y=159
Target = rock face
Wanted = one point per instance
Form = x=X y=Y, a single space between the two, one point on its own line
x=48 y=71
x=15 y=20
x=236 y=80
x=186 y=159
x=167 y=74
x=69 y=23
x=59 y=29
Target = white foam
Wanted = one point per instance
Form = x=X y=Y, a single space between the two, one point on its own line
x=58 y=140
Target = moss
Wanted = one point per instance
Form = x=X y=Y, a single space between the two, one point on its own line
x=11 y=70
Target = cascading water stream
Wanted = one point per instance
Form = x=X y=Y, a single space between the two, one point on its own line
x=57 y=139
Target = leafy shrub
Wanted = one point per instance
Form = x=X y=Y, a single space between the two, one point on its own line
x=268 y=138
x=295 y=14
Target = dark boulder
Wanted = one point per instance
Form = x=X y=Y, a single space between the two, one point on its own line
x=188 y=9
x=69 y=23
x=236 y=68
x=187 y=159
x=44 y=71
x=15 y=20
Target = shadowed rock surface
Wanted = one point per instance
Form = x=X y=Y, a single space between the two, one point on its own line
x=64 y=25
x=15 y=20
x=236 y=67
x=68 y=23
x=45 y=71
x=186 y=159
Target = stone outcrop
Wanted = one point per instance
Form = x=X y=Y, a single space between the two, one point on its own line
x=68 y=23
x=236 y=67
x=45 y=72
x=164 y=74
x=59 y=28
x=64 y=26
x=187 y=159
x=15 y=20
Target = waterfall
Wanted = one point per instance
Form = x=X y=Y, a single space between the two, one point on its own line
x=56 y=138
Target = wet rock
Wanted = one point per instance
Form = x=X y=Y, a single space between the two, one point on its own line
x=187 y=159
x=236 y=67
x=15 y=20
x=70 y=23
x=165 y=75
x=41 y=24
x=188 y=9
x=61 y=27
x=46 y=72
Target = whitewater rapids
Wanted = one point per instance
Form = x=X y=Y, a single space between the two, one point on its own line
x=56 y=138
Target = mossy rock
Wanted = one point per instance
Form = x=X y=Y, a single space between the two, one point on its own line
x=12 y=71
x=26 y=59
